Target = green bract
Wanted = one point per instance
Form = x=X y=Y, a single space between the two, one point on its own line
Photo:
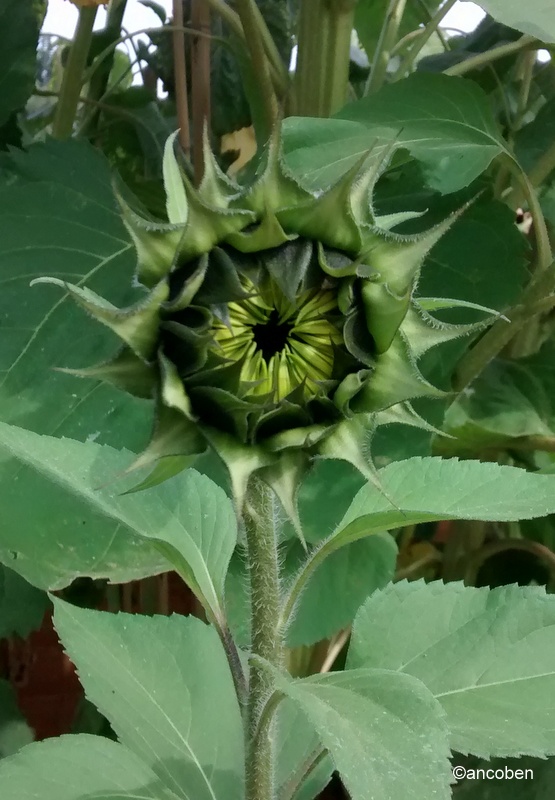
x=276 y=324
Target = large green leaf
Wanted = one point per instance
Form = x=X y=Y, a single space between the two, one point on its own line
x=188 y=518
x=508 y=401
x=19 y=24
x=535 y=17
x=22 y=606
x=339 y=586
x=15 y=733
x=384 y=731
x=58 y=217
x=165 y=686
x=427 y=489
x=311 y=151
x=445 y=122
x=467 y=261
x=79 y=767
x=487 y=656
x=298 y=748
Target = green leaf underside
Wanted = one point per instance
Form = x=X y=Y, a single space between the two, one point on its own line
x=297 y=746
x=189 y=518
x=165 y=686
x=383 y=732
x=535 y=18
x=79 y=767
x=488 y=656
x=325 y=607
x=426 y=489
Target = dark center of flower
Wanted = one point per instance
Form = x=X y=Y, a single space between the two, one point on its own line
x=271 y=336
x=282 y=344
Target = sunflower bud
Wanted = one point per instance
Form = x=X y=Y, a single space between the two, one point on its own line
x=276 y=325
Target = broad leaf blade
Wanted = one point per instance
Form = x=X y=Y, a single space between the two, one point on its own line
x=189 y=517
x=428 y=489
x=535 y=17
x=339 y=586
x=298 y=746
x=487 y=656
x=79 y=767
x=383 y=732
x=164 y=684
x=446 y=123
x=58 y=217
x=19 y=23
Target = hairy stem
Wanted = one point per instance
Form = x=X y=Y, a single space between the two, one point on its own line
x=387 y=41
x=72 y=81
x=262 y=556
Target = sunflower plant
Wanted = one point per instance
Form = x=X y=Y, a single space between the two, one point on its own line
x=287 y=372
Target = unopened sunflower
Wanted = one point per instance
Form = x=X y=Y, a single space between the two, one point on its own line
x=277 y=325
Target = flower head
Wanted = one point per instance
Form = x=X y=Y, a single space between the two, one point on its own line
x=277 y=325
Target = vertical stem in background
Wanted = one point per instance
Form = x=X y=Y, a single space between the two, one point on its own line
x=260 y=64
x=180 y=76
x=426 y=33
x=324 y=42
x=72 y=81
x=388 y=38
x=200 y=82
x=99 y=81
x=262 y=555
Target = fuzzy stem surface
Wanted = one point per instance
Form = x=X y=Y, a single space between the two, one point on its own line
x=263 y=566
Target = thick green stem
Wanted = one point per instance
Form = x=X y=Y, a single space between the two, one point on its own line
x=324 y=41
x=387 y=41
x=72 y=81
x=262 y=555
x=260 y=64
x=279 y=70
x=180 y=78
